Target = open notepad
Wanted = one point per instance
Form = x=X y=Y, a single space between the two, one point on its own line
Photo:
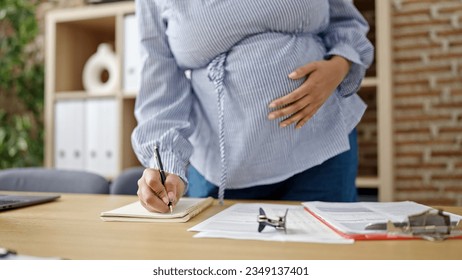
x=135 y=212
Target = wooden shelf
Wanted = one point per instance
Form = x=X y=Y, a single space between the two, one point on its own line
x=92 y=12
x=369 y=82
x=103 y=122
x=377 y=85
x=129 y=94
x=81 y=95
x=367 y=182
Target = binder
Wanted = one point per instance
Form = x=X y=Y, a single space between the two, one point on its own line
x=87 y=135
x=93 y=124
x=109 y=146
x=69 y=134
x=101 y=134
x=132 y=60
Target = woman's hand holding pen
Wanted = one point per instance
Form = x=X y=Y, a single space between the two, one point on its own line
x=153 y=195
x=322 y=78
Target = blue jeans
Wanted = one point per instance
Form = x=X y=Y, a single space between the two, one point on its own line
x=333 y=180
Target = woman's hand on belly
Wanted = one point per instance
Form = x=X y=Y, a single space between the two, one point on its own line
x=322 y=78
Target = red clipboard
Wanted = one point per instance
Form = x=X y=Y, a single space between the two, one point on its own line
x=361 y=236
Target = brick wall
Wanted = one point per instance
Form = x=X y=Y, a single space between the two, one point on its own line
x=427 y=92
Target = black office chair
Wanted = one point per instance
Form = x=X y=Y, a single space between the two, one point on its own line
x=127 y=181
x=38 y=179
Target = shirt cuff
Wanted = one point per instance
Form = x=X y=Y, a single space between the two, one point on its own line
x=352 y=82
x=173 y=165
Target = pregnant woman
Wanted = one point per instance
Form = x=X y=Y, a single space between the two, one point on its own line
x=267 y=108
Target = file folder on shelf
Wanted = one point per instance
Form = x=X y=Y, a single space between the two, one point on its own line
x=69 y=134
x=101 y=136
x=132 y=60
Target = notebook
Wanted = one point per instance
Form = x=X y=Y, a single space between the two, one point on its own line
x=186 y=208
x=16 y=201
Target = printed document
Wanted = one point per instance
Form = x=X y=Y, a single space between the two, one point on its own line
x=239 y=221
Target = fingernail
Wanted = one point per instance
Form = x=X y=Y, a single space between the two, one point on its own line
x=271 y=116
x=171 y=197
x=283 y=125
x=272 y=105
x=165 y=200
x=293 y=75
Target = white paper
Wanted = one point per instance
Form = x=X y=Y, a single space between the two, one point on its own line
x=239 y=221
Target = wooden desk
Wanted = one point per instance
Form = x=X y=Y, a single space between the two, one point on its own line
x=71 y=228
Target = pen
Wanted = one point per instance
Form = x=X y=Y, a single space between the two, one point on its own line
x=162 y=174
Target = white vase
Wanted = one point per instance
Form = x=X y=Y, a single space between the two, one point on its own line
x=103 y=60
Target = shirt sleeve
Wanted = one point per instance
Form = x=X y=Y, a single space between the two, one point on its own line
x=346 y=36
x=164 y=101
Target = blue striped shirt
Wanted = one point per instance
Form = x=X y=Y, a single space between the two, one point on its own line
x=239 y=54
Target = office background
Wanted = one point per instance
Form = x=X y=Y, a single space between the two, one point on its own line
x=426 y=67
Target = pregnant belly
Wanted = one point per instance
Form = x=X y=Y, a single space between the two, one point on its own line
x=257 y=68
